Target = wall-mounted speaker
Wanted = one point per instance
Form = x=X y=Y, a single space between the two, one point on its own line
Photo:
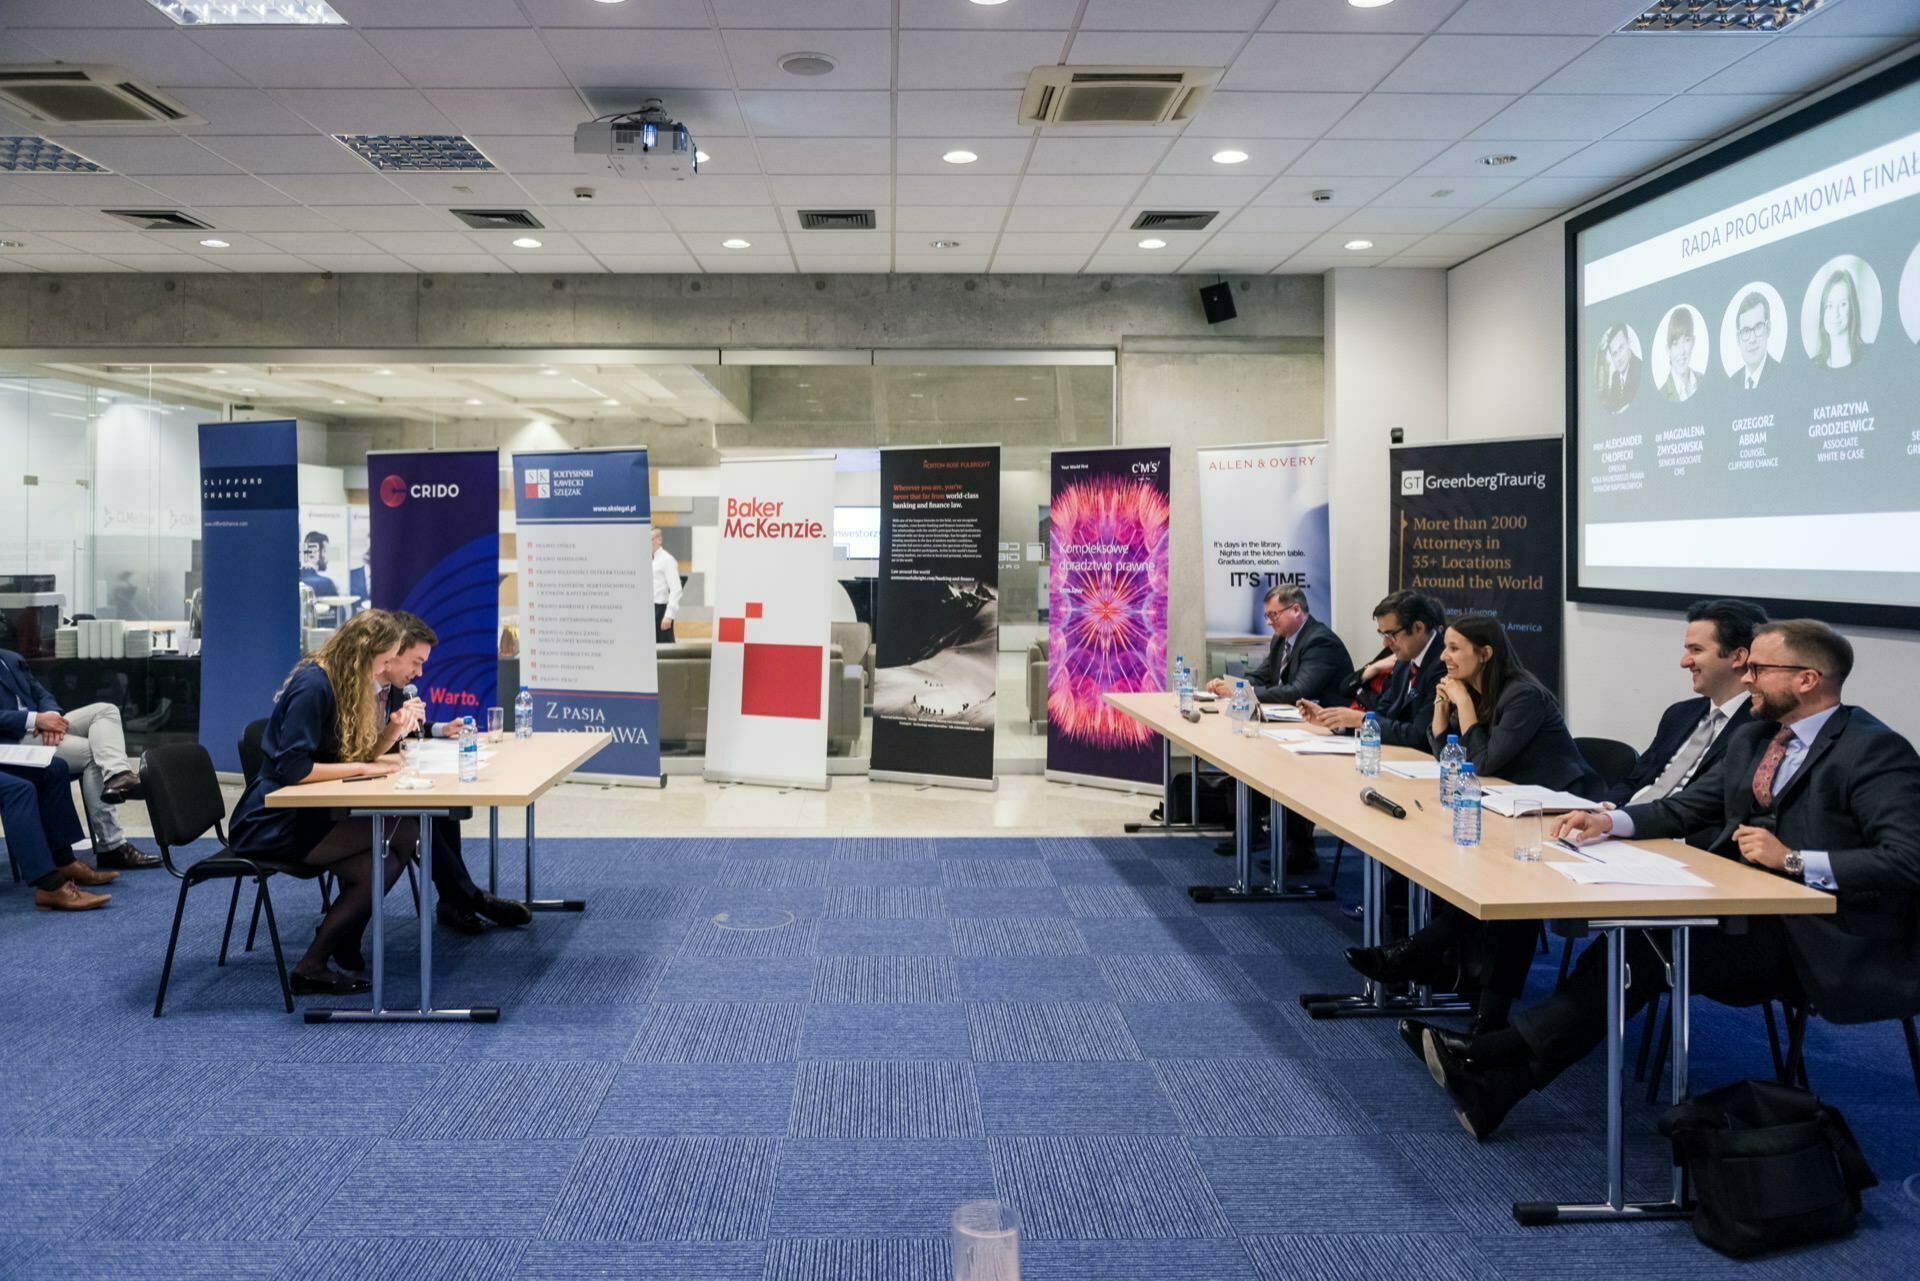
x=1218 y=302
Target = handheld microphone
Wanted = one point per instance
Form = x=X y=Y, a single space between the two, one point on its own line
x=412 y=692
x=1382 y=803
x=1192 y=714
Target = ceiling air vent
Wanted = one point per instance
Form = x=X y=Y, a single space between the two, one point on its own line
x=837 y=220
x=1175 y=219
x=1115 y=95
x=497 y=219
x=64 y=94
x=159 y=219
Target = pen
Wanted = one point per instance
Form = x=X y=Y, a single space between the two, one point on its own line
x=1417 y=805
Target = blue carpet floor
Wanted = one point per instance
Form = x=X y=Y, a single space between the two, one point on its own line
x=788 y=1060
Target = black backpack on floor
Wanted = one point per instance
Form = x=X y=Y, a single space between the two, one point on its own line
x=1771 y=1165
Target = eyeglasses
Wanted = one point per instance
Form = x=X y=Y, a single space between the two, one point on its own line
x=1783 y=667
x=1752 y=331
x=1389 y=635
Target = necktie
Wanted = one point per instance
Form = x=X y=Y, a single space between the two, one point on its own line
x=1769 y=766
x=1683 y=762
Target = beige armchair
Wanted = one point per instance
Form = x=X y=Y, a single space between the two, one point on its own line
x=1037 y=685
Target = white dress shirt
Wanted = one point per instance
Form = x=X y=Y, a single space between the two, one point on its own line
x=666 y=582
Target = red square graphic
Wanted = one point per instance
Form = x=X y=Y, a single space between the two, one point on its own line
x=733 y=630
x=782 y=680
x=753 y=609
x=533 y=489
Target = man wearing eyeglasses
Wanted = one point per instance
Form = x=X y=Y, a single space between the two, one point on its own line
x=1412 y=629
x=1813 y=790
x=1753 y=324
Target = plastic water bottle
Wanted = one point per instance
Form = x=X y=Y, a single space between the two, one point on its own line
x=1466 y=807
x=1451 y=759
x=523 y=714
x=1367 y=759
x=469 y=751
x=1183 y=683
x=1248 y=722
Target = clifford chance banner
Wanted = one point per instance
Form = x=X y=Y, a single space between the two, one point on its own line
x=249 y=602
x=1263 y=522
x=1477 y=524
x=586 y=601
x=1106 y=609
x=435 y=534
x=938 y=616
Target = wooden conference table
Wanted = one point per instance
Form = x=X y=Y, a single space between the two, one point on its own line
x=1490 y=884
x=518 y=772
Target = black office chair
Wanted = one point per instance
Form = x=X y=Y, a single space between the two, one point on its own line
x=184 y=804
x=1790 y=1068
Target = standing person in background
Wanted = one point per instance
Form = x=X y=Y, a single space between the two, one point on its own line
x=666 y=590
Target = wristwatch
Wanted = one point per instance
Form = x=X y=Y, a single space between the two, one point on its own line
x=1796 y=865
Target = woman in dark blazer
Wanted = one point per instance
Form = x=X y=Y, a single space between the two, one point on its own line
x=1510 y=727
x=326 y=726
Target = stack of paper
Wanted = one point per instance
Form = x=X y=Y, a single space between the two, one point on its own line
x=31 y=755
x=1511 y=800
x=1324 y=745
x=1288 y=735
x=1412 y=769
x=1281 y=712
x=1630 y=874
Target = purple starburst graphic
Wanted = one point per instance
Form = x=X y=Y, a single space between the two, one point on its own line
x=1108 y=606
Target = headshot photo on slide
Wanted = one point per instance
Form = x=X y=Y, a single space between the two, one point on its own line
x=1753 y=334
x=1910 y=296
x=1680 y=347
x=1840 y=314
x=1616 y=368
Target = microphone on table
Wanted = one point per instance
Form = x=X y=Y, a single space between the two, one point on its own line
x=1383 y=803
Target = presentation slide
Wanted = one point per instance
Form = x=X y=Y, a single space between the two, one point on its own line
x=1746 y=369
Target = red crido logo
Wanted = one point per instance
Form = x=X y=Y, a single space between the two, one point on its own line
x=393 y=491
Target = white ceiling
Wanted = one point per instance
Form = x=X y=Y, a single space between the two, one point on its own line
x=1389 y=107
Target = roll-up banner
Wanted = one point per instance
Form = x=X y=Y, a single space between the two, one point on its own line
x=435 y=537
x=1107 y=611
x=250 y=596
x=938 y=618
x=1478 y=524
x=586 y=601
x=1263 y=522
x=767 y=701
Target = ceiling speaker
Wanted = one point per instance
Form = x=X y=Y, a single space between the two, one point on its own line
x=1218 y=302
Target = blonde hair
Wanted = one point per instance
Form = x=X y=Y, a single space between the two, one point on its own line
x=347 y=658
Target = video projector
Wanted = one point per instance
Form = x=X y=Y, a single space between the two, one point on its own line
x=642 y=145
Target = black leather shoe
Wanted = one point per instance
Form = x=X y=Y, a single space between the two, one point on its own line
x=1481 y=1100
x=1414 y=1033
x=332 y=983
x=458 y=920
x=503 y=911
x=126 y=858
x=124 y=786
x=1401 y=961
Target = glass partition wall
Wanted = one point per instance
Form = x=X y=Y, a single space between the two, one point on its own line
x=104 y=519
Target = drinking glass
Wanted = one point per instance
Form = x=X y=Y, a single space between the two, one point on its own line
x=496 y=723
x=986 y=1242
x=1529 y=833
x=411 y=778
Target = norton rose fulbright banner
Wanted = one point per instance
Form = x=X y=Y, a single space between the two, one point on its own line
x=1263 y=522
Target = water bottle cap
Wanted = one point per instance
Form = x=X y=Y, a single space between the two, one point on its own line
x=1373 y=716
x=1466 y=767
x=1453 y=740
x=1239 y=684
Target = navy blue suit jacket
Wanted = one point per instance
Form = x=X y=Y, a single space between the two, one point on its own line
x=1406 y=713
x=1676 y=726
x=19 y=685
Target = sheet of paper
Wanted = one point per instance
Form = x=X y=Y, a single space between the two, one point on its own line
x=1412 y=769
x=1281 y=712
x=1323 y=745
x=442 y=756
x=1288 y=735
x=1510 y=799
x=1618 y=854
x=32 y=755
x=1630 y=874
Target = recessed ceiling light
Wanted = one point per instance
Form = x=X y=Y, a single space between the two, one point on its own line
x=1754 y=17
x=1153 y=243
x=1230 y=156
x=1369 y=4
x=609 y=402
x=339 y=402
x=944 y=244
x=219 y=371
x=383 y=372
x=216 y=244
x=987 y=4
x=736 y=243
x=13 y=244
x=246 y=391
x=960 y=156
x=1019 y=397
x=550 y=372
x=525 y=242
x=611 y=1
x=250 y=13
x=1359 y=244
x=807 y=64
x=1495 y=161
x=804 y=386
x=916 y=395
x=473 y=400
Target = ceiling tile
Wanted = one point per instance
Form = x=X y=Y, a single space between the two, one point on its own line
x=1366 y=157
x=1335 y=63
x=1417 y=115
x=1155 y=46
x=330 y=189
x=654 y=60
x=1618 y=159
x=1064 y=243
x=507 y=111
x=1408 y=15
x=648 y=264
x=84 y=13
x=1207 y=263
x=1643 y=64
x=1498 y=64
x=96 y=189
x=1793 y=66
x=945 y=112
x=300 y=57
x=867 y=243
x=1050 y=15
x=465 y=189
x=553 y=244
x=409 y=244
x=1269 y=115
x=1561 y=193
x=807 y=14
x=1233 y=244
x=1265 y=156
x=1543 y=17
x=1529 y=157
x=163 y=58
x=862 y=59
x=266 y=262
x=203 y=190
x=809 y=156
x=975 y=59
x=169 y=263
x=1865 y=18
x=997 y=155
x=1297 y=219
x=558 y=189
x=237 y=111
x=935 y=218
x=598 y=217
x=1126 y=241
x=365 y=110
x=1152 y=15
x=1568 y=115
x=318 y=242
x=1422 y=192
x=365 y=218
x=836 y=191
x=454 y=264
x=64 y=262
x=743 y=190
x=920 y=244
x=731 y=220
x=954 y=263
x=305 y=153
x=1315 y=262
x=1037 y=264
x=546 y=154
x=1449 y=245
x=1058 y=189
x=1298 y=189
x=366 y=14
x=1505 y=222
x=775 y=113
x=1697 y=117
x=955 y=189
x=1420 y=262
x=56 y=218
x=147 y=154
x=119 y=243
x=453 y=59
x=1388 y=218
x=633 y=13
x=1384 y=243
x=558 y=265
x=1141 y=264
x=1187 y=192
x=1095 y=155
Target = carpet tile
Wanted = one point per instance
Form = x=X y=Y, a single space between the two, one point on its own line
x=733 y=978
x=884 y=938
x=77 y=1260
x=52 y=1185
x=1127 y=900
x=509 y=1101
x=667 y=1189
x=859 y=1259
x=697 y=1261
x=876 y=1187
x=725 y=1032
x=1269 y=1097
x=885 y=902
x=1073 y=1098
x=1177 y=978
x=1364 y=1184
x=1137 y=1261
x=1031 y=978
x=446 y=1188
x=883 y=980
x=1016 y=936
x=886 y=1032
x=736 y=933
x=1175 y=1030
x=596 y=981
x=228 y=1189
x=1082 y=1032
x=388 y=1260
x=885 y=1099
x=698 y=1098
x=1095 y=1188
x=921 y=873
x=1371 y=1256
x=1128 y=935
x=959 y=901
x=962 y=873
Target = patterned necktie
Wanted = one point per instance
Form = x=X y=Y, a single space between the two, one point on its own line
x=1769 y=766
x=1682 y=765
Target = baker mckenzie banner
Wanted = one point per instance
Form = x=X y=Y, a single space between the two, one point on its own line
x=435 y=532
x=938 y=615
x=1107 y=609
x=582 y=523
x=1263 y=522
x=249 y=597
x=1478 y=524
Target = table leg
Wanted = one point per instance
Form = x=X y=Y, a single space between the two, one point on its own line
x=493 y=849
x=1276 y=886
x=427 y=914
x=1243 y=889
x=1166 y=824
x=545 y=904
x=378 y=923
x=1378 y=1000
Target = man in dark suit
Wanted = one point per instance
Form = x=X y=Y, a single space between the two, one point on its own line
x=1413 y=627
x=1811 y=789
x=1694 y=732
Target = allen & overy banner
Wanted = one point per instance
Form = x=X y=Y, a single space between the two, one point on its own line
x=435 y=535
x=1478 y=524
x=250 y=592
x=582 y=521
x=767 y=700
x=1263 y=522
x=1107 y=609
x=938 y=617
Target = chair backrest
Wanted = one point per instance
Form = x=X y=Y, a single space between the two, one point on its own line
x=183 y=795
x=1612 y=759
x=251 y=757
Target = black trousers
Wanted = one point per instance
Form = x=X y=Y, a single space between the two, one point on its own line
x=1499 y=952
x=662 y=630
x=1734 y=969
x=449 y=869
x=36 y=813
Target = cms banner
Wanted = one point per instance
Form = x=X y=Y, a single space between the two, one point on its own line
x=435 y=534
x=586 y=601
x=1106 y=610
x=938 y=616
x=767 y=697
x=250 y=599
x=1478 y=525
x=1263 y=522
